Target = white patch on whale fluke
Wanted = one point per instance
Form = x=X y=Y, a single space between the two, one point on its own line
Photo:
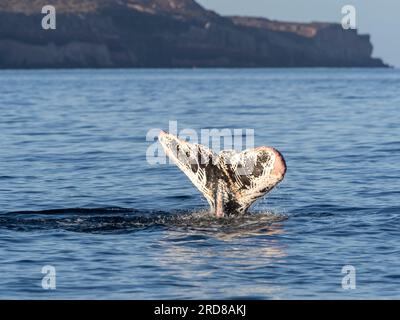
x=230 y=181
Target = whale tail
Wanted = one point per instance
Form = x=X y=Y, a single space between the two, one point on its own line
x=230 y=181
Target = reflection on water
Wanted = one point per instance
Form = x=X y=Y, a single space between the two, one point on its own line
x=205 y=255
x=195 y=244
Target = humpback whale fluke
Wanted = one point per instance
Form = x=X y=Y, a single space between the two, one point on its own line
x=230 y=181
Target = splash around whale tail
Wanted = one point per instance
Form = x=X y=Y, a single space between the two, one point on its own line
x=230 y=181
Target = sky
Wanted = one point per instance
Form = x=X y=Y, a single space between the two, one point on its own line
x=379 y=18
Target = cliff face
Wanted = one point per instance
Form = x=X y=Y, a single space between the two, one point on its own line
x=167 y=33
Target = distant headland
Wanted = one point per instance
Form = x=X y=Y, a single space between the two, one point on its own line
x=168 y=34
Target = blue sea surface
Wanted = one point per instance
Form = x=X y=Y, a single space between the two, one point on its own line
x=78 y=194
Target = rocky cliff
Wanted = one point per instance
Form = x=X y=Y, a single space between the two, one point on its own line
x=167 y=33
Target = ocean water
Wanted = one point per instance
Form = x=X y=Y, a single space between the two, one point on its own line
x=77 y=191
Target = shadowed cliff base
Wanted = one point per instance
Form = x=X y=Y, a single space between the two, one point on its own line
x=168 y=34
